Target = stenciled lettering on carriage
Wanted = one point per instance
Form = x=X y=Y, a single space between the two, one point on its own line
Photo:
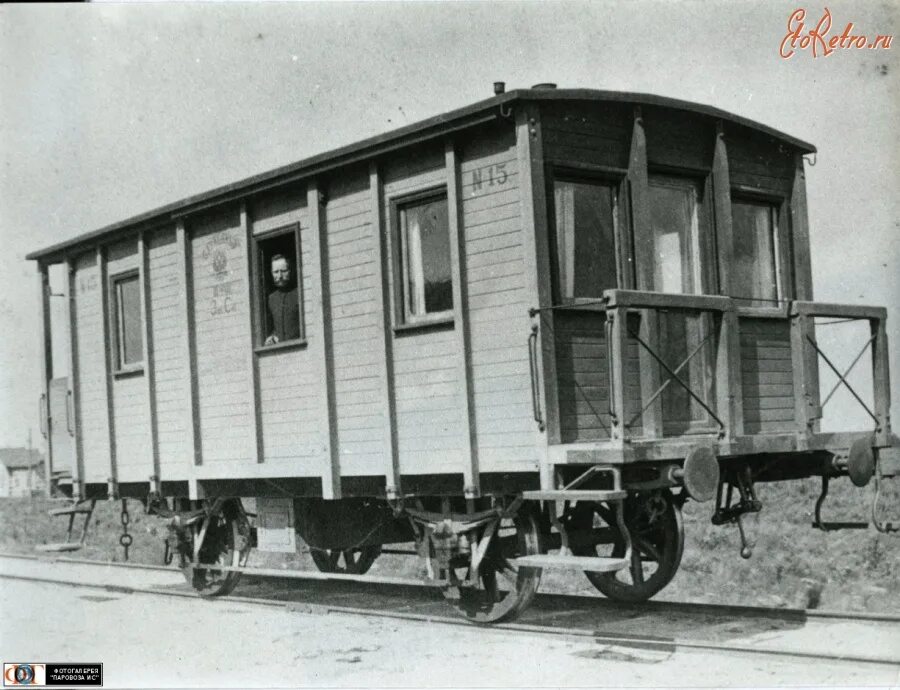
x=517 y=336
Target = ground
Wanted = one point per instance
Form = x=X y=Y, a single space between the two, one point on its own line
x=176 y=642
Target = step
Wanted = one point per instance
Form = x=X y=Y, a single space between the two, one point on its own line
x=591 y=564
x=576 y=495
x=62 y=546
x=69 y=511
x=842 y=525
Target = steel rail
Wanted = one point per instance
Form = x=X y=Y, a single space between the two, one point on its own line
x=647 y=642
x=652 y=606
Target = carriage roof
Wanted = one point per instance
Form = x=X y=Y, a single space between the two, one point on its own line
x=438 y=125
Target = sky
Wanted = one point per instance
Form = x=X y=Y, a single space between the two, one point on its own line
x=109 y=110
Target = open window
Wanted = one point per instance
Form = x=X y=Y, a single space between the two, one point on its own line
x=425 y=292
x=756 y=271
x=127 y=327
x=278 y=285
x=585 y=213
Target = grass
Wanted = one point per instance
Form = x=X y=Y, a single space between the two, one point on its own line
x=793 y=565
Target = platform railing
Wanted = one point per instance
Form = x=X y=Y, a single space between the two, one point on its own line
x=807 y=354
x=725 y=407
x=722 y=332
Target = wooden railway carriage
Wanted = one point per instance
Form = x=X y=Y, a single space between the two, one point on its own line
x=536 y=324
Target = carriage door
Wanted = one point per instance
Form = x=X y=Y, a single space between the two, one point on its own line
x=676 y=243
x=61 y=427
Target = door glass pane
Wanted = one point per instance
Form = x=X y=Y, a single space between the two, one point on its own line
x=674 y=247
x=755 y=269
x=585 y=238
x=673 y=241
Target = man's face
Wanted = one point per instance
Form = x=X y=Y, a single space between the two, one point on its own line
x=281 y=272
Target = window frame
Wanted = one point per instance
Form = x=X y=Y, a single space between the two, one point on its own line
x=258 y=282
x=403 y=319
x=615 y=180
x=783 y=249
x=117 y=323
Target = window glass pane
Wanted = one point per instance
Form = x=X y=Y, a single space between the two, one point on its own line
x=673 y=241
x=426 y=239
x=755 y=270
x=130 y=332
x=585 y=238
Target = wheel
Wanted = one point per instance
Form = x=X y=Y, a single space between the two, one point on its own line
x=657 y=534
x=355 y=561
x=226 y=542
x=503 y=590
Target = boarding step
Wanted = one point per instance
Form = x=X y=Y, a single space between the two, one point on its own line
x=590 y=564
x=56 y=548
x=71 y=510
x=575 y=495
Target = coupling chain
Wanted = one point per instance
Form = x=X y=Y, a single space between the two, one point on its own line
x=126 y=540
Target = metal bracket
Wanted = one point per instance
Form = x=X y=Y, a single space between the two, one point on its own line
x=883 y=526
x=818 y=523
x=734 y=512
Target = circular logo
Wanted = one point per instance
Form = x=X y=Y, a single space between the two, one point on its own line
x=22 y=674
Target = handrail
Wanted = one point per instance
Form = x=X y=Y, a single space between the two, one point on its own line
x=845 y=311
x=643 y=299
x=534 y=371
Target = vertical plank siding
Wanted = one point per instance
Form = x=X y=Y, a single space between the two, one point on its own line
x=224 y=385
x=494 y=256
x=91 y=369
x=356 y=327
x=292 y=410
x=130 y=405
x=173 y=405
x=426 y=363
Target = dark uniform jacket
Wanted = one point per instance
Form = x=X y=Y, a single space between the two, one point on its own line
x=284 y=314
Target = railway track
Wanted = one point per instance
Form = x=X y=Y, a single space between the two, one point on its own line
x=860 y=638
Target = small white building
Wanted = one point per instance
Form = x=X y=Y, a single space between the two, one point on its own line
x=22 y=472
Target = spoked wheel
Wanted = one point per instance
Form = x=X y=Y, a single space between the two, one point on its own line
x=349 y=561
x=225 y=541
x=657 y=533
x=503 y=590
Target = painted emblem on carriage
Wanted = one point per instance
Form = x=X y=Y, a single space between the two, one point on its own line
x=219 y=263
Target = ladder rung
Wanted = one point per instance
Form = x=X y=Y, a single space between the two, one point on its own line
x=69 y=511
x=576 y=495
x=589 y=563
x=63 y=546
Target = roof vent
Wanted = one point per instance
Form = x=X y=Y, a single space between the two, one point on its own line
x=544 y=85
x=499 y=87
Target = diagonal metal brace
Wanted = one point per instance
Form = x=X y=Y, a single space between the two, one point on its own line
x=674 y=376
x=849 y=369
x=844 y=381
x=665 y=384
